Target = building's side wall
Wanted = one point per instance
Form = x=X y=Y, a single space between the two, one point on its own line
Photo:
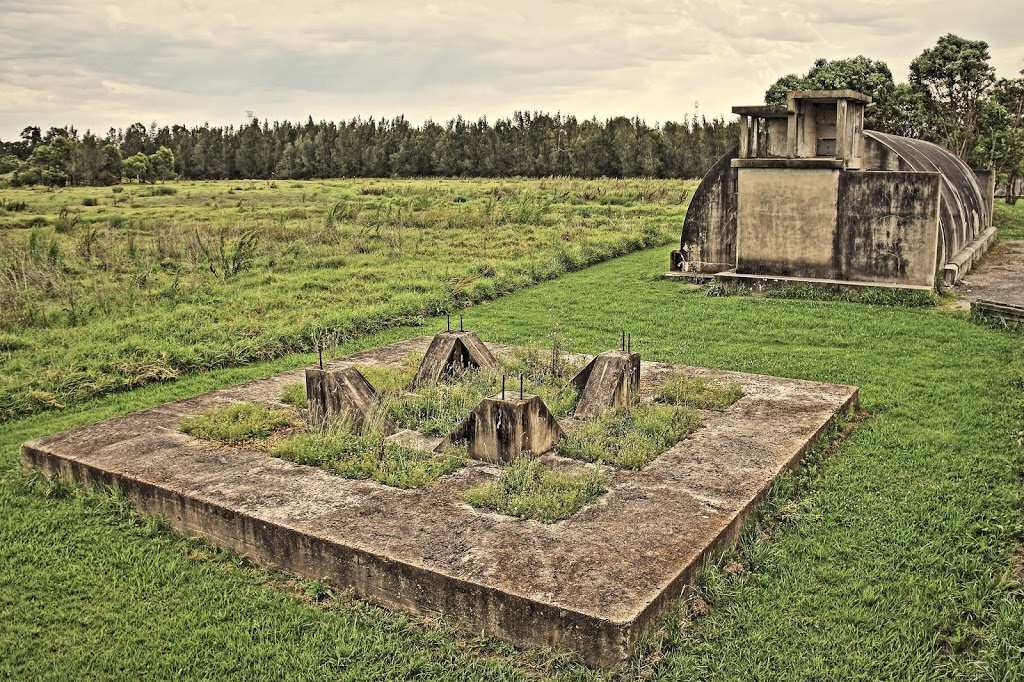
x=888 y=227
x=708 y=241
x=786 y=221
x=987 y=182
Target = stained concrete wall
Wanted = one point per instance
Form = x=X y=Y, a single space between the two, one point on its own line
x=965 y=212
x=786 y=221
x=888 y=228
x=709 y=229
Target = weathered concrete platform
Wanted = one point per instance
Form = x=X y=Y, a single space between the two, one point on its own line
x=592 y=582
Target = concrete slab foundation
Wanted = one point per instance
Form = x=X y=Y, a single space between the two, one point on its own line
x=593 y=582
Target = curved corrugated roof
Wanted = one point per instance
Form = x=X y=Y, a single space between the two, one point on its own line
x=964 y=212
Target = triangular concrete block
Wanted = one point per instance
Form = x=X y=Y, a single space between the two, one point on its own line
x=501 y=429
x=611 y=380
x=341 y=392
x=452 y=351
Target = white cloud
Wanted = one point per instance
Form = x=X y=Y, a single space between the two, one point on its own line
x=110 y=64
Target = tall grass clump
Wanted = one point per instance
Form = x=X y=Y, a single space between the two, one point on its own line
x=237 y=424
x=630 y=439
x=527 y=489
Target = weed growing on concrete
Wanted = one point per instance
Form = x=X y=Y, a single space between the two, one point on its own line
x=682 y=389
x=631 y=439
x=349 y=453
x=527 y=489
x=439 y=408
x=239 y=423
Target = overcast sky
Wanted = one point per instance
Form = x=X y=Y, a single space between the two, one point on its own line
x=102 y=64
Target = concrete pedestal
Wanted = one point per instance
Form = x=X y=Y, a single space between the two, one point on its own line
x=611 y=380
x=499 y=430
x=341 y=393
x=452 y=351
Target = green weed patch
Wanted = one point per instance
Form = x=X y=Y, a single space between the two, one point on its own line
x=346 y=453
x=526 y=489
x=682 y=389
x=239 y=423
x=631 y=439
x=294 y=394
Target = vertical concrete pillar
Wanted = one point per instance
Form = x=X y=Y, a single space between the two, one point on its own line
x=843 y=141
x=744 y=136
x=793 y=129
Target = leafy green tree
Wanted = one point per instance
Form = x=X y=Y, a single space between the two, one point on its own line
x=868 y=76
x=55 y=163
x=161 y=164
x=110 y=167
x=954 y=79
x=1008 y=138
x=138 y=167
x=8 y=163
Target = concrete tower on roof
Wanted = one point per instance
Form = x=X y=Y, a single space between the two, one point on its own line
x=808 y=194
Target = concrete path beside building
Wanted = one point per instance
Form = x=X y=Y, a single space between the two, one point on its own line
x=999 y=276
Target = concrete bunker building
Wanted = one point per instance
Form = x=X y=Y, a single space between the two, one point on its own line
x=809 y=195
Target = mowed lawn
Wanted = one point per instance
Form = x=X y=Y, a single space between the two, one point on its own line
x=889 y=557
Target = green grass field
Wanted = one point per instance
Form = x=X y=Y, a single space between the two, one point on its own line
x=102 y=291
x=1009 y=219
x=890 y=556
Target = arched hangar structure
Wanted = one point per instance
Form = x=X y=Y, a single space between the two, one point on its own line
x=810 y=195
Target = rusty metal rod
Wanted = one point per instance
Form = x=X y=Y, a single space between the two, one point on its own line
x=320 y=354
x=502 y=386
x=520 y=386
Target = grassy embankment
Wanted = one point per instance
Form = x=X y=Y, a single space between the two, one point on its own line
x=109 y=289
x=1009 y=219
x=890 y=557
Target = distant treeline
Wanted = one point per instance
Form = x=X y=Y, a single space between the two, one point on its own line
x=527 y=144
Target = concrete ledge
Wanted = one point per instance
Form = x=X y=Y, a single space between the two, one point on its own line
x=829 y=163
x=592 y=583
x=763 y=281
x=1007 y=312
x=960 y=264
